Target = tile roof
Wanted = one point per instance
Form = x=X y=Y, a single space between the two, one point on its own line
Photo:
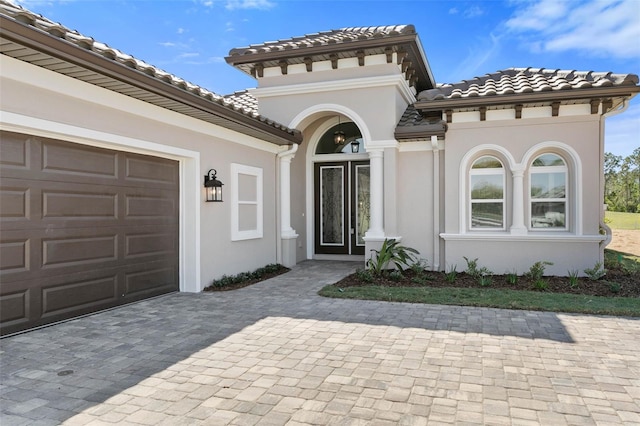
x=338 y=44
x=413 y=125
x=43 y=24
x=244 y=99
x=326 y=38
x=526 y=80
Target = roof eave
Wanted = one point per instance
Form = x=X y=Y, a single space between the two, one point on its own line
x=527 y=98
x=409 y=41
x=66 y=51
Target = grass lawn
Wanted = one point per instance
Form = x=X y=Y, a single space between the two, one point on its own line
x=618 y=220
x=492 y=298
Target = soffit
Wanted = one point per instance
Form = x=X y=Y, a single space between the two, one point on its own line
x=343 y=43
x=32 y=38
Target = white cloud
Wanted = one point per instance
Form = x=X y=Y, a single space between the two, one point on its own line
x=473 y=12
x=249 y=4
x=481 y=52
x=609 y=28
x=453 y=11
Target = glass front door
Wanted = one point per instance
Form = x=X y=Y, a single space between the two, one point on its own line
x=341 y=207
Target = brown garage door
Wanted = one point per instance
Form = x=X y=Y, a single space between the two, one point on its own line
x=82 y=229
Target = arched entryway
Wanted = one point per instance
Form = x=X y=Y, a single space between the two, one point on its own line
x=341 y=190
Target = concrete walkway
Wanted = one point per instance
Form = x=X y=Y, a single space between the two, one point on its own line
x=276 y=353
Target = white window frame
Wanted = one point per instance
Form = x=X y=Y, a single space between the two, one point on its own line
x=567 y=185
x=236 y=202
x=487 y=171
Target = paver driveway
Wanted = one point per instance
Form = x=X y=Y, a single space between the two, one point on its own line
x=276 y=353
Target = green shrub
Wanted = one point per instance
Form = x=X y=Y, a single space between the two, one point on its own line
x=573 y=278
x=451 y=274
x=390 y=253
x=472 y=267
x=536 y=271
x=485 y=280
x=596 y=272
x=246 y=277
x=395 y=275
x=615 y=287
x=540 y=284
x=419 y=267
x=364 y=275
x=512 y=277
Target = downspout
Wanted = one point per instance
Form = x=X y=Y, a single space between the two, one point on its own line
x=603 y=225
x=286 y=231
x=436 y=203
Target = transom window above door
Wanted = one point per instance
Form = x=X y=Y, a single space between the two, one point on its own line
x=351 y=143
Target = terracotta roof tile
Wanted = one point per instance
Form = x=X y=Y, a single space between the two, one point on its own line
x=526 y=80
x=326 y=38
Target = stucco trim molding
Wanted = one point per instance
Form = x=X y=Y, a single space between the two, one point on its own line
x=559 y=237
x=338 y=85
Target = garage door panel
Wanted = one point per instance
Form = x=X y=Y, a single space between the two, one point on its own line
x=14 y=202
x=152 y=243
x=142 y=283
x=75 y=160
x=79 y=251
x=146 y=206
x=154 y=171
x=14 y=151
x=79 y=205
x=86 y=294
x=14 y=308
x=82 y=229
x=14 y=256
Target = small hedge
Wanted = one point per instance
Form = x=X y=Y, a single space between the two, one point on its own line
x=243 y=279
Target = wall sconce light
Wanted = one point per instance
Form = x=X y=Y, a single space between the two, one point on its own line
x=338 y=136
x=355 y=146
x=213 y=186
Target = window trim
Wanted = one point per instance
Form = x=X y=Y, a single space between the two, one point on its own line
x=487 y=171
x=237 y=234
x=567 y=191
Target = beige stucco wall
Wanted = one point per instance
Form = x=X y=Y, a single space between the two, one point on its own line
x=95 y=116
x=415 y=202
x=577 y=248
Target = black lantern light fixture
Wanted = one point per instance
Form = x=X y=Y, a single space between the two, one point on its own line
x=213 y=186
x=338 y=136
x=355 y=146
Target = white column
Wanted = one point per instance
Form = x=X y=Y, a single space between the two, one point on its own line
x=286 y=230
x=376 y=214
x=517 y=220
x=436 y=203
x=288 y=235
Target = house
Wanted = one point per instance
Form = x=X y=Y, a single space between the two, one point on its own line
x=106 y=163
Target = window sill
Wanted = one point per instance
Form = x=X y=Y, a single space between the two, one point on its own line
x=531 y=236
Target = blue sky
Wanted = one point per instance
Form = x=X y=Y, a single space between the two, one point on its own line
x=462 y=39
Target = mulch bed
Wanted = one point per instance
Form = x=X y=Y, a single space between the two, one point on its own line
x=616 y=283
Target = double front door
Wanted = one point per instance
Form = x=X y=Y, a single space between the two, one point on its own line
x=341 y=206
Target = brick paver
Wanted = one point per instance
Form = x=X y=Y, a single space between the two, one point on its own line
x=276 y=353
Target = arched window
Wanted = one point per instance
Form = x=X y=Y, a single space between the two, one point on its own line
x=486 y=191
x=548 y=192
